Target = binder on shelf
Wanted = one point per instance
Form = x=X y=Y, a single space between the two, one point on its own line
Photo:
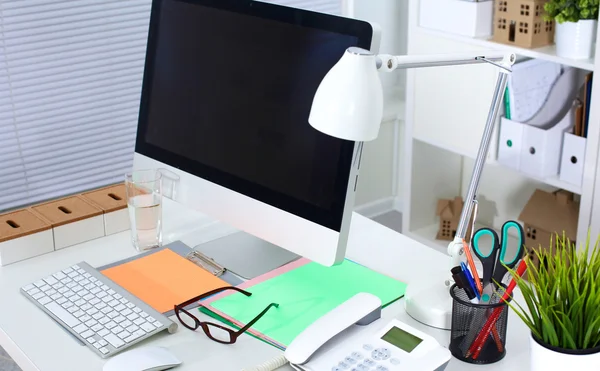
x=573 y=158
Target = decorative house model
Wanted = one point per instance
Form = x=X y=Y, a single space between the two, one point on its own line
x=547 y=214
x=449 y=213
x=521 y=23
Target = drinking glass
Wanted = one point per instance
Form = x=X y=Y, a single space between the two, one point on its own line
x=144 y=201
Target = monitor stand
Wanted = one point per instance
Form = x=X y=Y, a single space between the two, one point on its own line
x=245 y=255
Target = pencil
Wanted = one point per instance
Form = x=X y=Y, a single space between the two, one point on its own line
x=472 y=267
x=479 y=341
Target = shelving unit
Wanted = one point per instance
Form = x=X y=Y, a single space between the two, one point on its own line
x=446 y=110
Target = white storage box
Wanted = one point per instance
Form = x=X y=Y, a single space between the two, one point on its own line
x=573 y=158
x=459 y=17
x=113 y=202
x=23 y=235
x=532 y=150
x=73 y=220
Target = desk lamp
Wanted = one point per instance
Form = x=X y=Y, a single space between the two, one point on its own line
x=348 y=104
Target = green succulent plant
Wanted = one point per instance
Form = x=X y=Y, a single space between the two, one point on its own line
x=562 y=296
x=571 y=10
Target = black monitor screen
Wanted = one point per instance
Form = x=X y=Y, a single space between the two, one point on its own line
x=227 y=91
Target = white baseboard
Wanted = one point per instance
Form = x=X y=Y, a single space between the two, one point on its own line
x=378 y=207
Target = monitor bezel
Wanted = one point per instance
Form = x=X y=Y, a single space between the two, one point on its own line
x=330 y=218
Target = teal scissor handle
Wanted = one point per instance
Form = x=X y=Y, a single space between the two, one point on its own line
x=488 y=260
x=501 y=267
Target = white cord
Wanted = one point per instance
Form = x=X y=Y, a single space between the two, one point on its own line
x=270 y=365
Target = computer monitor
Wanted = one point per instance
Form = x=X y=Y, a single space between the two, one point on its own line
x=227 y=90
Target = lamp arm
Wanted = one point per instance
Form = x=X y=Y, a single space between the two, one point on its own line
x=504 y=63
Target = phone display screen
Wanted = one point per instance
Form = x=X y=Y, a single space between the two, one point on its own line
x=402 y=339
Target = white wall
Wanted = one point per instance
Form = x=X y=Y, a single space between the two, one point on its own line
x=377 y=176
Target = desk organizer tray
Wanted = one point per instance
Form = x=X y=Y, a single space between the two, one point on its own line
x=73 y=220
x=23 y=234
x=113 y=203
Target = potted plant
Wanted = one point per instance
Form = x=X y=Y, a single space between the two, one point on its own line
x=562 y=300
x=576 y=22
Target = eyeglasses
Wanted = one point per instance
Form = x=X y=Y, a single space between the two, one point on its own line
x=215 y=331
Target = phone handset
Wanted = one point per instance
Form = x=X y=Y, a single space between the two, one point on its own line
x=361 y=309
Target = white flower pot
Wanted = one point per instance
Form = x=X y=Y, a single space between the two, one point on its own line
x=576 y=39
x=544 y=359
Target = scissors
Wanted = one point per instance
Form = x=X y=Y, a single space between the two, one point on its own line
x=494 y=260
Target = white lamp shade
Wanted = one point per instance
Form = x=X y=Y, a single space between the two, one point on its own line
x=349 y=101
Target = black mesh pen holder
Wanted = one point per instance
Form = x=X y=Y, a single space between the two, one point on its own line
x=468 y=320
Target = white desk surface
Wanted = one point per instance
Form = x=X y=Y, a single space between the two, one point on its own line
x=37 y=343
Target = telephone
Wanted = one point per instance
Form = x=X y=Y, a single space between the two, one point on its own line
x=334 y=343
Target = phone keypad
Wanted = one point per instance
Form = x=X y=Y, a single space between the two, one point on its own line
x=357 y=361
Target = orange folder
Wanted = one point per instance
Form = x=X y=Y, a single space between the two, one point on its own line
x=163 y=279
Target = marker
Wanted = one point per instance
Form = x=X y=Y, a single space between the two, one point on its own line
x=470 y=280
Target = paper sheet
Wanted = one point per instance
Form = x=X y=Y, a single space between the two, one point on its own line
x=163 y=279
x=304 y=294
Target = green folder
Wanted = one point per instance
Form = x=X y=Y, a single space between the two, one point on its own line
x=305 y=294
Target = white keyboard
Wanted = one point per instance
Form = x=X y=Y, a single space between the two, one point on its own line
x=100 y=313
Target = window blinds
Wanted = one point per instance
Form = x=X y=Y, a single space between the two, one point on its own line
x=70 y=82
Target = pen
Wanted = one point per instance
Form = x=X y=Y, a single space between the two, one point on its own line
x=479 y=341
x=470 y=280
x=472 y=266
x=462 y=282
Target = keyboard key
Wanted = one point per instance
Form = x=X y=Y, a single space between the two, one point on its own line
x=157 y=324
x=57 y=286
x=85 y=307
x=90 y=323
x=132 y=316
x=137 y=310
x=114 y=341
x=77 y=278
x=119 y=308
x=93 y=279
x=97 y=327
x=66 y=281
x=94 y=301
x=105 y=288
x=138 y=321
x=99 y=316
x=111 y=292
x=103 y=320
x=75 y=298
x=81 y=328
x=51 y=292
x=126 y=323
x=131 y=338
x=117 y=296
x=84 y=282
x=67 y=304
x=83 y=293
x=38 y=295
x=45 y=300
x=45 y=288
x=62 y=314
x=143 y=314
x=101 y=294
x=80 y=302
x=97 y=345
x=39 y=283
x=75 y=267
x=91 y=340
x=110 y=325
x=59 y=275
x=62 y=290
x=103 y=350
x=29 y=287
x=113 y=314
x=123 y=301
x=102 y=342
x=73 y=308
x=77 y=288
x=126 y=312
x=79 y=313
x=56 y=296
x=140 y=333
x=85 y=318
x=33 y=291
x=92 y=311
x=101 y=306
x=67 y=270
x=87 y=275
x=61 y=300
x=87 y=334
x=90 y=286
x=81 y=271
x=98 y=283
x=130 y=305
x=114 y=304
x=68 y=294
x=119 y=319
x=73 y=274
x=50 y=280
x=124 y=334
x=71 y=284
x=103 y=333
x=106 y=309
x=132 y=328
x=147 y=327
x=107 y=299
x=117 y=330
